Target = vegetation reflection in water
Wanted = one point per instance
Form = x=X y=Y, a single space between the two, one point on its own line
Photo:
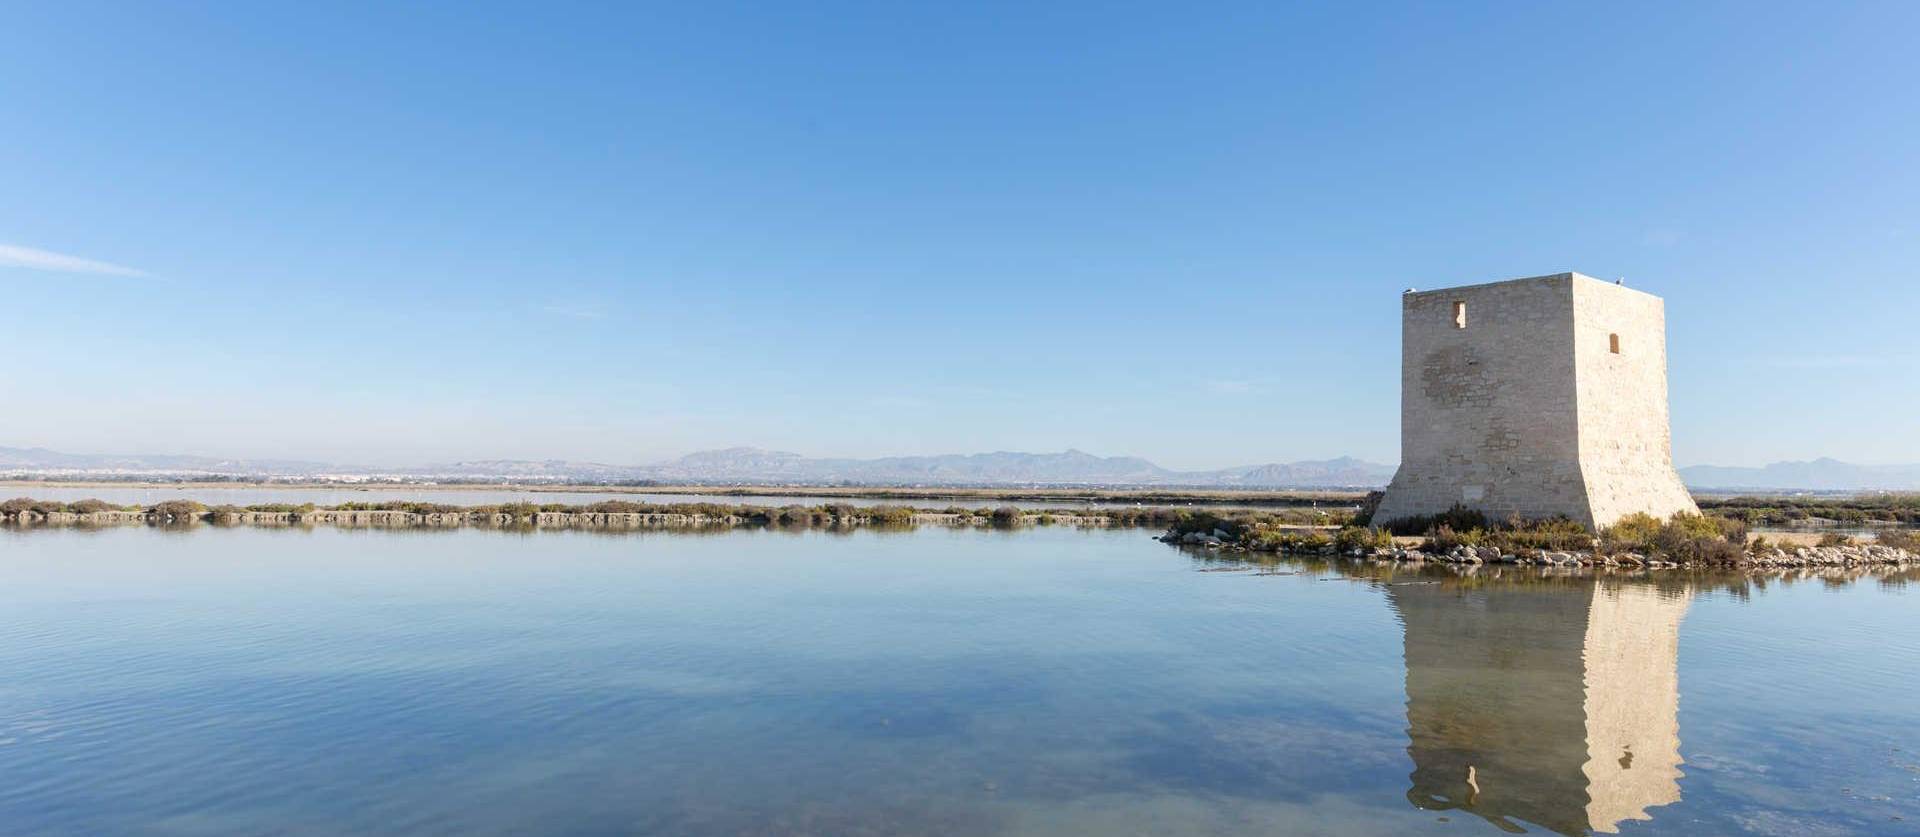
x=932 y=682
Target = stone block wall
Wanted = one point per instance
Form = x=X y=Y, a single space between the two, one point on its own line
x=1620 y=363
x=1514 y=403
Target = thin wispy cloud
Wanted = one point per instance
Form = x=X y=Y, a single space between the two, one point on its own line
x=13 y=255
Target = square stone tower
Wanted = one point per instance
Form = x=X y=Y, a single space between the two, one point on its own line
x=1535 y=397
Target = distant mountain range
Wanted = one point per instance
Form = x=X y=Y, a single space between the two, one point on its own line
x=1819 y=475
x=746 y=466
x=1007 y=468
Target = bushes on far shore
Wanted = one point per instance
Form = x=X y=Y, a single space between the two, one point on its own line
x=825 y=514
x=1899 y=508
x=402 y=506
x=177 y=510
x=889 y=515
x=1300 y=530
x=833 y=514
x=90 y=505
x=281 y=508
x=13 y=507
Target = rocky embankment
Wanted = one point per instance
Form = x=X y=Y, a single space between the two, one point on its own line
x=1849 y=555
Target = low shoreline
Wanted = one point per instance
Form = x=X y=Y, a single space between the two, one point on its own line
x=26 y=513
x=1279 y=498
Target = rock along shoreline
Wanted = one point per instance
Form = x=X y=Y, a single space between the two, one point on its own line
x=1773 y=557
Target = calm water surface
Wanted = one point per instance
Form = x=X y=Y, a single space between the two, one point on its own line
x=252 y=681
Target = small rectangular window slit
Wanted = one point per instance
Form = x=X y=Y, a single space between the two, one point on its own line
x=1613 y=343
x=1459 y=315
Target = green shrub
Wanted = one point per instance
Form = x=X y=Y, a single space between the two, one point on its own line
x=1701 y=526
x=1634 y=533
x=1005 y=516
x=1443 y=538
x=1357 y=537
x=1556 y=534
x=620 y=507
x=1687 y=538
x=177 y=510
x=13 y=507
x=890 y=515
x=409 y=506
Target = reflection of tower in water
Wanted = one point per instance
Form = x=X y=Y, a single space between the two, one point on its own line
x=1555 y=705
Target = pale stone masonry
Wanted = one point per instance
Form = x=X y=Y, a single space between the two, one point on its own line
x=1535 y=398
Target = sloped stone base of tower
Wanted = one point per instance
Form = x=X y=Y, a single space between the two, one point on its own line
x=1593 y=496
x=1613 y=493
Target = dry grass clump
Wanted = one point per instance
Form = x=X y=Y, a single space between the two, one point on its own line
x=1898 y=539
x=1687 y=538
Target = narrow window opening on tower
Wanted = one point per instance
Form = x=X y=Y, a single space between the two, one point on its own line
x=1459 y=315
x=1613 y=343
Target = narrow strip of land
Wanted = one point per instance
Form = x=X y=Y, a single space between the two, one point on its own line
x=1277 y=498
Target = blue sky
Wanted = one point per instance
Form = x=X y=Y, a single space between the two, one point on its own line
x=400 y=233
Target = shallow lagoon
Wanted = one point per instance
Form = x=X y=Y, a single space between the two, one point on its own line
x=1048 y=681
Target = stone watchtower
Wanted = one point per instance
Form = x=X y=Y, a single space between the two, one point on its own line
x=1535 y=397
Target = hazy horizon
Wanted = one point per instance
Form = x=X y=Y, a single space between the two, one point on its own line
x=673 y=457
x=382 y=235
